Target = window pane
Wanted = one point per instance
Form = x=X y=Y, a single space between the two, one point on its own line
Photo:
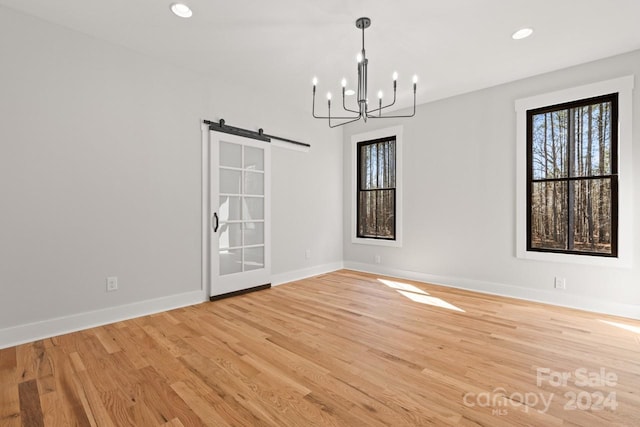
x=253 y=208
x=253 y=233
x=253 y=183
x=229 y=208
x=592 y=145
x=386 y=214
x=367 y=214
x=549 y=215
x=367 y=164
x=230 y=261
x=230 y=181
x=230 y=235
x=377 y=214
x=549 y=145
x=377 y=165
x=230 y=155
x=591 y=216
x=253 y=158
x=253 y=258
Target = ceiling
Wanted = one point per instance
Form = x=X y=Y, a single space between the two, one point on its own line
x=275 y=47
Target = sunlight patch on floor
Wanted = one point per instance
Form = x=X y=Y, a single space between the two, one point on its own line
x=418 y=295
x=426 y=299
x=634 y=329
x=402 y=286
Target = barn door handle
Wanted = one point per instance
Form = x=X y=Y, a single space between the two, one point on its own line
x=215 y=227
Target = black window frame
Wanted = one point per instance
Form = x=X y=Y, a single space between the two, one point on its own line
x=359 y=189
x=613 y=176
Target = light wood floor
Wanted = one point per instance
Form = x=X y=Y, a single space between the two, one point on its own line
x=342 y=349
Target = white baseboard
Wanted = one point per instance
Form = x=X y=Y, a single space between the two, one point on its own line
x=29 y=332
x=291 y=276
x=21 y=334
x=538 y=295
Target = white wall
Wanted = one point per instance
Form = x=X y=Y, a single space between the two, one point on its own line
x=100 y=175
x=459 y=191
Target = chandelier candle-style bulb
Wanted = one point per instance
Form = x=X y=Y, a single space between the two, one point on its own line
x=361 y=109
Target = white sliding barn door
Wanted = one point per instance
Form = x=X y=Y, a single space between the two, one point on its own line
x=240 y=182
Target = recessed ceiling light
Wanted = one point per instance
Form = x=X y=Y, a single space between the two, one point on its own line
x=522 y=33
x=181 y=10
x=349 y=92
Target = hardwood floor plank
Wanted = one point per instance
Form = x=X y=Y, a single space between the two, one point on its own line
x=161 y=399
x=8 y=367
x=76 y=361
x=30 y=408
x=92 y=398
x=117 y=404
x=72 y=404
x=8 y=359
x=200 y=406
x=143 y=416
x=9 y=405
x=106 y=338
x=52 y=415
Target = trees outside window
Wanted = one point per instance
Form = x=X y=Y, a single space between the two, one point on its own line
x=572 y=177
x=376 y=189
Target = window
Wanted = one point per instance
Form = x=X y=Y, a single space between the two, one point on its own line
x=376 y=189
x=537 y=172
x=572 y=177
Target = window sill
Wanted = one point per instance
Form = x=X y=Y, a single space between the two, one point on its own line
x=377 y=242
x=575 y=259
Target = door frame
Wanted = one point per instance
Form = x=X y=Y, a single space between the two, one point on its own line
x=205 y=209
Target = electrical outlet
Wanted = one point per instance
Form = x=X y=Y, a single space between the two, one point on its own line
x=377 y=259
x=112 y=284
x=560 y=283
x=307 y=254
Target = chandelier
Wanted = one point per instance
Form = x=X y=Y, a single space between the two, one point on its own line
x=362 y=110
